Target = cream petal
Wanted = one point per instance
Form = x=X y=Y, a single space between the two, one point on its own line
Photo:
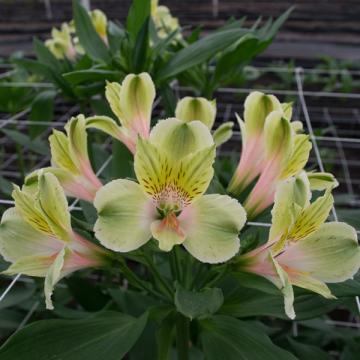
x=212 y=225
x=125 y=214
x=53 y=275
x=179 y=139
x=330 y=254
x=18 y=239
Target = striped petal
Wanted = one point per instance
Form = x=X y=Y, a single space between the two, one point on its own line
x=299 y=156
x=172 y=182
x=311 y=217
x=180 y=139
x=54 y=207
x=18 y=239
x=330 y=254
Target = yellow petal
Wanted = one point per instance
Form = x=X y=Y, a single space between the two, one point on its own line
x=53 y=204
x=299 y=156
x=25 y=205
x=311 y=217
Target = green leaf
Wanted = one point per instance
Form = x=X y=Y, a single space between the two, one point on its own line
x=198 y=304
x=42 y=110
x=224 y=337
x=200 y=51
x=245 y=301
x=122 y=161
x=346 y=288
x=141 y=47
x=165 y=335
x=87 y=294
x=138 y=13
x=35 y=145
x=5 y=186
x=132 y=302
x=81 y=76
x=109 y=335
x=44 y=70
x=306 y=351
x=45 y=56
x=88 y=36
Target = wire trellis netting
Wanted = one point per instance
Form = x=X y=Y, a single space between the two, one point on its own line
x=332 y=119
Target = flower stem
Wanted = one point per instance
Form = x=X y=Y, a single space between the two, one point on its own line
x=163 y=285
x=182 y=337
x=137 y=282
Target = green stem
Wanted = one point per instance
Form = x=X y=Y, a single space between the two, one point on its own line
x=182 y=337
x=217 y=277
x=163 y=285
x=137 y=282
x=176 y=264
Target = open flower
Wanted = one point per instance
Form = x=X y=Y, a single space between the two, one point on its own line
x=61 y=43
x=70 y=161
x=37 y=238
x=132 y=103
x=302 y=249
x=174 y=169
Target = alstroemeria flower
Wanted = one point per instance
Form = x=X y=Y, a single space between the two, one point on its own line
x=174 y=169
x=257 y=107
x=61 y=43
x=70 y=161
x=285 y=155
x=165 y=23
x=132 y=103
x=37 y=238
x=302 y=249
x=273 y=150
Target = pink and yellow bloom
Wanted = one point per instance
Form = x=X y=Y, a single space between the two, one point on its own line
x=37 y=238
x=70 y=161
x=272 y=151
x=302 y=249
x=173 y=168
x=132 y=103
x=61 y=43
x=257 y=107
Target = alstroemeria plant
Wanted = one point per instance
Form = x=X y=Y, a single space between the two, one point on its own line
x=36 y=236
x=168 y=239
x=302 y=249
